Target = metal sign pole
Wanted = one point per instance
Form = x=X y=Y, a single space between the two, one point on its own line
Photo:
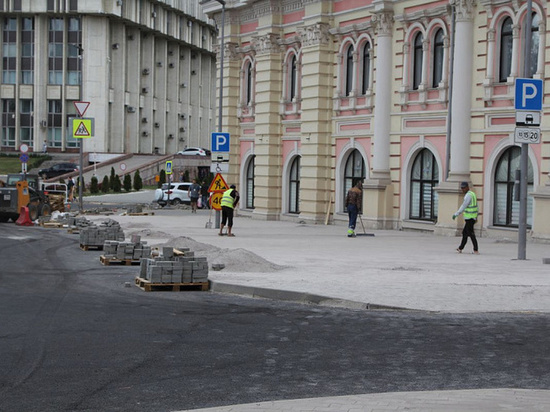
x=524 y=159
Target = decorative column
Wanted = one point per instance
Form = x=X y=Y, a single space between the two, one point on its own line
x=378 y=196
x=267 y=145
x=316 y=142
x=541 y=196
x=450 y=196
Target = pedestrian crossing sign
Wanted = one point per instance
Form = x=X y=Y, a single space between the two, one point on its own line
x=82 y=128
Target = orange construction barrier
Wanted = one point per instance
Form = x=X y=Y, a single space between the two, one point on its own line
x=24 y=217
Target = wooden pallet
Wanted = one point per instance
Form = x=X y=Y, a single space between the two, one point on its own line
x=51 y=224
x=89 y=247
x=114 y=261
x=147 y=286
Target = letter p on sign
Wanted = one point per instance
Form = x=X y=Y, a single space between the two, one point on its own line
x=220 y=142
x=528 y=94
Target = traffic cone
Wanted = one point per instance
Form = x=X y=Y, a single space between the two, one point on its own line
x=24 y=217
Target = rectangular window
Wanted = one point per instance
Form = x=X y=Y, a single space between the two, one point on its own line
x=73 y=5
x=74 y=51
x=55 y=123
x=9 y=51
x=25 y=121
x=8 y=122
x=27 y=51
x=55 y=51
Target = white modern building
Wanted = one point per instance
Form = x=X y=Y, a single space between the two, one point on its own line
x=145 y=66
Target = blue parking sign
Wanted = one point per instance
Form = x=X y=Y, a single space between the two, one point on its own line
x=220 y=142
x=528 y=94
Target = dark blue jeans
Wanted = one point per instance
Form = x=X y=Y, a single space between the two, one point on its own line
x=352 y=213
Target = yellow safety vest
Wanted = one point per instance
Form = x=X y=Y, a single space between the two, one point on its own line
x=471 y=211
x=227 y=200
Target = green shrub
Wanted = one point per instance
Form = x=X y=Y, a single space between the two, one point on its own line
x=138 y=183
x=127 y=183
x=118 y=184
x=105 y=185
x=162 y=178
x=112 y=180
x=94 y=185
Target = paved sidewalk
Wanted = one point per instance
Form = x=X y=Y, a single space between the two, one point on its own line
x=320 y=264
x=392 y=269
x=492 y=400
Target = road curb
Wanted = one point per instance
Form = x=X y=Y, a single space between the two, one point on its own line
x=298 y=297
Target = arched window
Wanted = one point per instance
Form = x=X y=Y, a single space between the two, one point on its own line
x=417 y=61
x=424 y=177
x=349 y=71
x=366 y=68
x=437 y=74
x=294 y=186
x=355 y=168
x=248 y=82
x=535 y=40
x=293 y=78
x=506 y=38
x=250 y=184
x=506 y=209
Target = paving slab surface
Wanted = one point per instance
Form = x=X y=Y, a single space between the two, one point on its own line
x=392 y=269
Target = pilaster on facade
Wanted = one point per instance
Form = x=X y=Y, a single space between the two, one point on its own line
x=316 y=140
x=268 y=131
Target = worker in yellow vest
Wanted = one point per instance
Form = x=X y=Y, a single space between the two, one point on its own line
x=469 y=208
x=230 y=198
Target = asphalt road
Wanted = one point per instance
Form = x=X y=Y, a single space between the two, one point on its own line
x=75 y=337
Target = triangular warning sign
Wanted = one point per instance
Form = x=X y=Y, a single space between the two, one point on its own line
x=81 y=107
x=81 y=131
x=218 y=184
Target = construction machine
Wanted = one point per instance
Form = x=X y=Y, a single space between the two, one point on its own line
x=20 y=191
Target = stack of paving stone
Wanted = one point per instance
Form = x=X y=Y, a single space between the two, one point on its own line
x=78 y=222
x=96 y=235
x=182 y=267
x=135 y=249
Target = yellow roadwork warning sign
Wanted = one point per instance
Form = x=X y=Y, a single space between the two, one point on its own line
x=218 y=184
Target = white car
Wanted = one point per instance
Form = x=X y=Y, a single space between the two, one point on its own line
x=176 y=194
x=194 y=151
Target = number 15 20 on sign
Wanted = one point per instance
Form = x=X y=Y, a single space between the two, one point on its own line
x=527 y=135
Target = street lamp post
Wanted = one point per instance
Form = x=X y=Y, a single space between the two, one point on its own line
x=220 y=101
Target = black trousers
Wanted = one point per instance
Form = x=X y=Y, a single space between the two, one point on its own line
x=227 y=216
x=468 y=232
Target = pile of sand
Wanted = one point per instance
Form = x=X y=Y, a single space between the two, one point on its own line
x=235 y=260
